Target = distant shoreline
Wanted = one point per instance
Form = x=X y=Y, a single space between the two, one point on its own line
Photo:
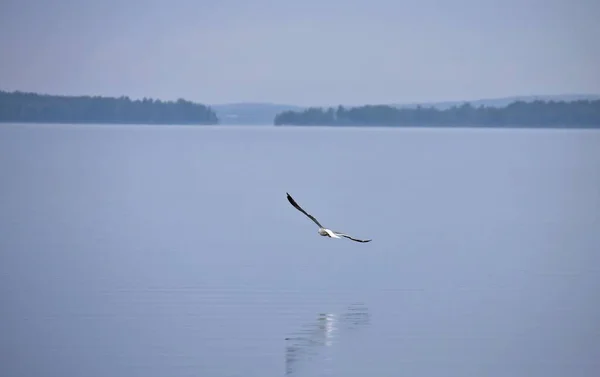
x=21 y=107
x=518 y=114
x=554 y=112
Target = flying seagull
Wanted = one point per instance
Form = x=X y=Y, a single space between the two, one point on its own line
x=322 y=230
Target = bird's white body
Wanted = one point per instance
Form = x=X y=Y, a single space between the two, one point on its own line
x=322 y=230
x=327 y=233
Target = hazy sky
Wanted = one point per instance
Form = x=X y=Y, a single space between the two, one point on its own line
x=301 y=52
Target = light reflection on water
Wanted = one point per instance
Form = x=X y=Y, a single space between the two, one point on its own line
x=308 y=345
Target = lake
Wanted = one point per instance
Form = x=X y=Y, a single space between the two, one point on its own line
x=154 y=251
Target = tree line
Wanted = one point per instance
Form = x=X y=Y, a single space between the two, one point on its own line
x=31 y=107
x=580 y=113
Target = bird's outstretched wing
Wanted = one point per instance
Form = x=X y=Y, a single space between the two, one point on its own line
x=331 y=233
x=293 y=202
x=351 y=238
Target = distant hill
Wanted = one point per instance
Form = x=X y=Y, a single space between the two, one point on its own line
x=253 y=113
x=502 y=101
x=250 y=112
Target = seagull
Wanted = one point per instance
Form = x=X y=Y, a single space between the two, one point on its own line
x=322 y=230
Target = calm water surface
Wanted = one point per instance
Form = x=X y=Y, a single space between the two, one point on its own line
x=149 y=251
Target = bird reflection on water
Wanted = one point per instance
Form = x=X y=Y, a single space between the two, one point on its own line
x=329 y=328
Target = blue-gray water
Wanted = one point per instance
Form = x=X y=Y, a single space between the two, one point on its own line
x=172 y=251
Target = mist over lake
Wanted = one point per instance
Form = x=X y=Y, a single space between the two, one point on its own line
x=172 y=251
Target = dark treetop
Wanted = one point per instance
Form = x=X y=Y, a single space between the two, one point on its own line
x=576 y=114
x=32 y=107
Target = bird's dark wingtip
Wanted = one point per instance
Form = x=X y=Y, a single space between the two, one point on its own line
x=290 y=199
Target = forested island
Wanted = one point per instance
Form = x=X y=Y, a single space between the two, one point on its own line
x=556 y=114
x=43 y=108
